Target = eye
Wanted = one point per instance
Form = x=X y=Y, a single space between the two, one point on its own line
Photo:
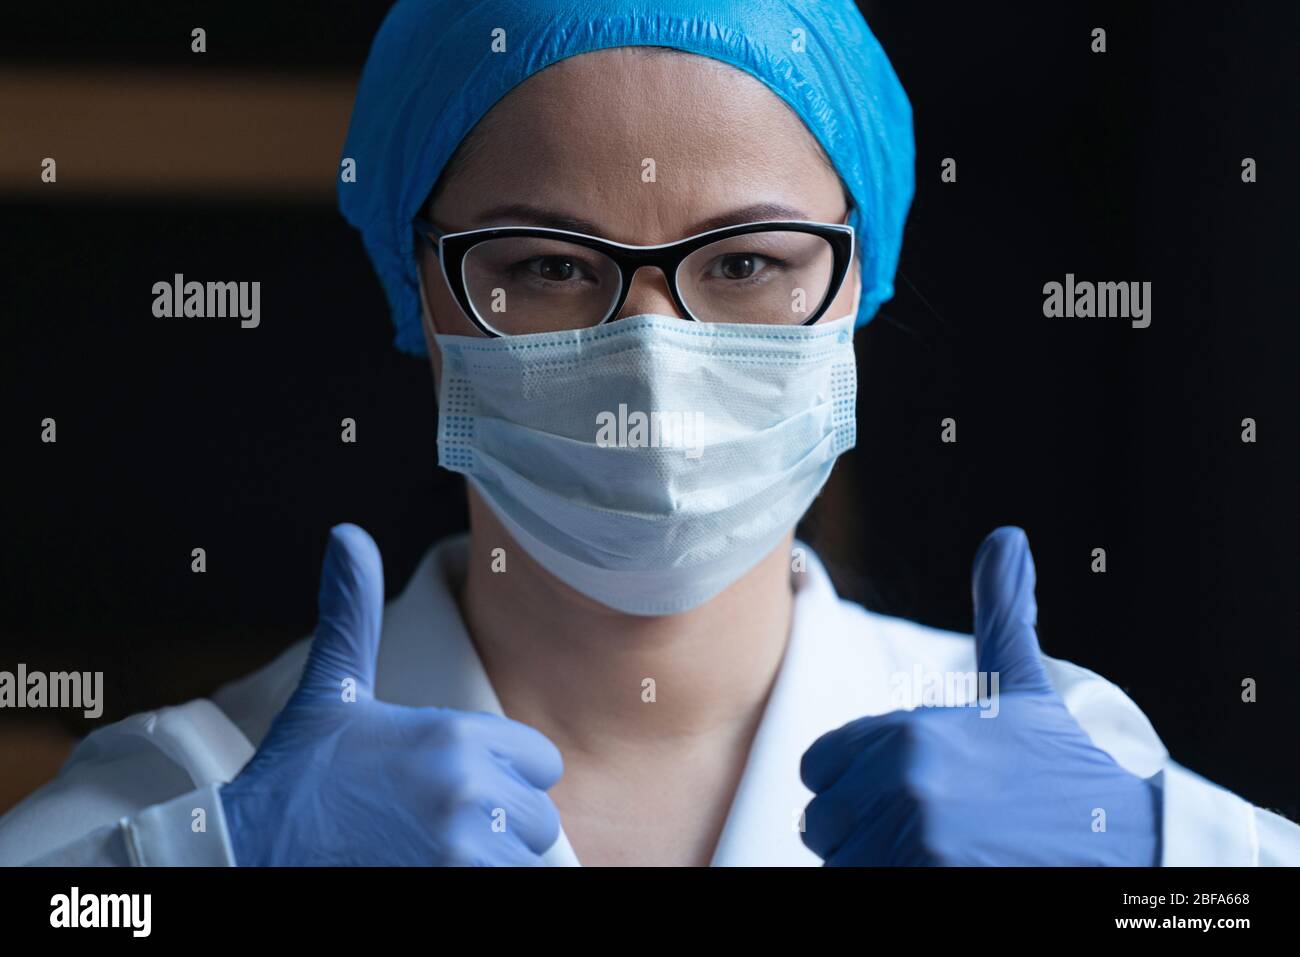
x=737 y=266
x=552 y=269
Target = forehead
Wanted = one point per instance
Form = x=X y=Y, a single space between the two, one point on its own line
x=642 y=140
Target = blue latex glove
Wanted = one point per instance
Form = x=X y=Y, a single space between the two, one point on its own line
x=362 y=781
x=947 y=786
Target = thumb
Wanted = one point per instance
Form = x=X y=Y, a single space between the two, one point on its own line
x=351 y=603
x=1002 y=585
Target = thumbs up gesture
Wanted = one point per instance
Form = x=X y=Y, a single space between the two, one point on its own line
x=1022 y=785
x=343 y=778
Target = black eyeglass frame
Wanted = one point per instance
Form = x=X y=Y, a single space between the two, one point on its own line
x=668 y=257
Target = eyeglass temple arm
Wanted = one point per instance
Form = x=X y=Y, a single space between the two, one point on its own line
x=432 y=234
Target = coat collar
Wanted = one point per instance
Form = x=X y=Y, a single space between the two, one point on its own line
x=828 y=675
x=841 y=662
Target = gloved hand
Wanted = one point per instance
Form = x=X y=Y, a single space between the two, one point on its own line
x=947 y=786
x=344 y=779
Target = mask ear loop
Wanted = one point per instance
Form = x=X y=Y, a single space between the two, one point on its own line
x=857 y=261
x=424 y=303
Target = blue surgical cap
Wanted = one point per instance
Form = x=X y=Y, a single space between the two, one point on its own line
x=432 y=74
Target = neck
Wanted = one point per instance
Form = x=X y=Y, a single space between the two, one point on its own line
x=579 y=672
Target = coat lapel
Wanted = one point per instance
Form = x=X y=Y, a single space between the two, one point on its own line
x=832 y=672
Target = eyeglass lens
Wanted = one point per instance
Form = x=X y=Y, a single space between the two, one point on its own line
x=536 y=284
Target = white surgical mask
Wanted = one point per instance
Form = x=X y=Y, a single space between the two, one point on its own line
x=650 y=462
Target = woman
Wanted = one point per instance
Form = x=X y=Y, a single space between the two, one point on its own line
x=634 y=241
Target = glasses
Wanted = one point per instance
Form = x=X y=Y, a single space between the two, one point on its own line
x=515 y=280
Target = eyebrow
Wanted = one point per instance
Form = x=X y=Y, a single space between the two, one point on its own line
x=526 y=215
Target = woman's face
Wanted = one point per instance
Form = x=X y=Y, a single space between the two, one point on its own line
x=570 y=144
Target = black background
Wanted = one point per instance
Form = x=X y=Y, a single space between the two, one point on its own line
x=1088 y=900
x=1123 y=166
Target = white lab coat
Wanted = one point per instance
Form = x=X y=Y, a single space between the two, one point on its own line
x=130 y=793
